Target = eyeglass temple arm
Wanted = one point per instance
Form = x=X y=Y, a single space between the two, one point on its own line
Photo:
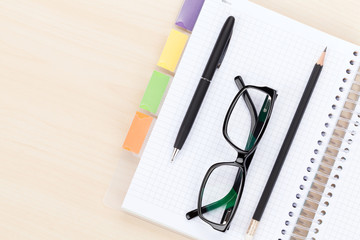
x=230 y=206
x=249 y=103
x=257 y=129
x=229 y=209
x=225 y=200
x=240 y=179
x=211 y=206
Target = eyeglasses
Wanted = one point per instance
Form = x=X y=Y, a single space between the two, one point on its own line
x=223 y=184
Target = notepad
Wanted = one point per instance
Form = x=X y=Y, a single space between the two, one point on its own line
x=272 y=50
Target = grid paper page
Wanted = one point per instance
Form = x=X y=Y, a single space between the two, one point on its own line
x=270 y=50
x=341 y=220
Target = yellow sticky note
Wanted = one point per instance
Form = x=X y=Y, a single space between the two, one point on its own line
x=172 y=51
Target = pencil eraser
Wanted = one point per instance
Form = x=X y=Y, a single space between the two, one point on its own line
x=137 y=132
x=172 y=51
x=154 y=92
x=189 y=14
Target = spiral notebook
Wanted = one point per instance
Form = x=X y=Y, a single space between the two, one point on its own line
x=316 y=194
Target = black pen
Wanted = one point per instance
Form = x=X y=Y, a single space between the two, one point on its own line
x=216 y=57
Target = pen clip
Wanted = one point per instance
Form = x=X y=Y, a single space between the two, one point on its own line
x=224 y=51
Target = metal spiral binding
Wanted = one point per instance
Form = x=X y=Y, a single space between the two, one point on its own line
x=328 y=172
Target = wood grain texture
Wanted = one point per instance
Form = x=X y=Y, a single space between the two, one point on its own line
x=72 y=76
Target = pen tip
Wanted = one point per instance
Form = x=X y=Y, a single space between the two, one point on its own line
x=175 y=152
x=325 y=49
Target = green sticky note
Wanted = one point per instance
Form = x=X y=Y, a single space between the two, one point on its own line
x=154 y=92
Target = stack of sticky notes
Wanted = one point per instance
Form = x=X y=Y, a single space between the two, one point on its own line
x=158 y=83
x=137 y=132
x=172 y=51
x=154 y=92
x=189 y=14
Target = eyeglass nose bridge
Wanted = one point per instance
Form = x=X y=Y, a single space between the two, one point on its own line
x=241 y=158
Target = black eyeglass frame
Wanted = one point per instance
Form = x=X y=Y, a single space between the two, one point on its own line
x=240 y=161
x=254 y=125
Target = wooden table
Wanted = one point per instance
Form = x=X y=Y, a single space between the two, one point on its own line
x=72 y=74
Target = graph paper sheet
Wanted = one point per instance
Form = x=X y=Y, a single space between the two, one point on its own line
x=266 y=49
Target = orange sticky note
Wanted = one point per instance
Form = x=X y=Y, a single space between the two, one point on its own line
x=137 y=132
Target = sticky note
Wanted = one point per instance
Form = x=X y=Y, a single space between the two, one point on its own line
x=189 y=14
x=172 y=51
x=137 y=132
x=154 y=91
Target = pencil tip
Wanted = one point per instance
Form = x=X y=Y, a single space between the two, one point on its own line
x=322 y=58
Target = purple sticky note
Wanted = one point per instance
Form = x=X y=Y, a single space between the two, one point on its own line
x=189 y=13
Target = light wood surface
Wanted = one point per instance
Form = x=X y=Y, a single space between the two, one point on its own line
x=72 y=74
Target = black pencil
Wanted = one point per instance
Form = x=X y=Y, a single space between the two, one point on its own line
x=285 y=146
